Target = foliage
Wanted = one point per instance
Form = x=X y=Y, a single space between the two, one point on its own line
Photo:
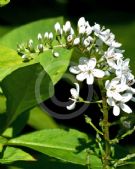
x=27 y=78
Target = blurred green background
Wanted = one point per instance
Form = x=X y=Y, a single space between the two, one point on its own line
x=117 y=15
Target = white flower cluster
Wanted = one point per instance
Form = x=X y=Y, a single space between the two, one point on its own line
x=106 y=64
x=101 y=60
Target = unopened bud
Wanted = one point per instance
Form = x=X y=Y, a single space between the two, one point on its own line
x=81 y=22
x=41 y=47
x=39 y=37
x=76 y=41
x=67 y=27
x=56 y=54
x=82 y=30
x=50 y=36
x=58 y=28
x=70 y=38
x=46 y=35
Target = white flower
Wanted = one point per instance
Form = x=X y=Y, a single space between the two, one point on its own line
x=106 y=36
x=118 y=93
x=121 y=104
x=87 y=41
x=122 y=69
x=115 y=87
x=84 y=27
x=86 y=70
x=112 y=55
x=75 y=96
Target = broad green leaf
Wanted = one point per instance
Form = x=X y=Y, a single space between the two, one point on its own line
x=12 y=154
x=17 y=126
x=45 y=162
x=5 y=29
x=10 y=61
x=2 y=104
x=3 y=141
x=55 y=67
x=29 y=31
x=24 y=89
x=4 y=2
x=39 y=119
x=69 y=146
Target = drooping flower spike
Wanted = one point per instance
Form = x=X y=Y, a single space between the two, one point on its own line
x=101 y=59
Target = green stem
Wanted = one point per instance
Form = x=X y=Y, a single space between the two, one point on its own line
x=88 y=120
x=106 y=157
x=122 y=161
x=105 y=128
x=116 y=140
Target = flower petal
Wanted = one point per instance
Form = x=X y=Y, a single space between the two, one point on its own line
x=133 y=99
x=109 y=93
x=74 y=93
x=83 y=68
x=107 y=84
x=81 y=76
x=116 y=110
x=117 y=96
x=74 y=69
x=126 y=97
x=83 y=60
x=98 y=73
x=90 y=79
x=125 y=108
x=111 y=101
x=72 y=106
x=77 y=88
x=92 y=63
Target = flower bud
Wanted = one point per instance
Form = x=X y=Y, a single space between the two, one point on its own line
x=76 y=41
x=82 y=30
x=58 y=28
x=41 y=47
x=39 y=37
x=50 y=36
x=70 y=38
x=46 y=36
x=81 y=22
x=24 y=56
x=67 y=27
x=56 y=54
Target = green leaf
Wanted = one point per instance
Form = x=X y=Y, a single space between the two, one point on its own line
x=69 y=146
x=12 y=154
x=41 y=120
x=5 y=29
x=24 y=93
x=29 y=31
x=55 y=67
x=3 y=141
x=10 y=61
x=4 y=2
x=17 y=125
x=2 y=104
x=45 y=162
